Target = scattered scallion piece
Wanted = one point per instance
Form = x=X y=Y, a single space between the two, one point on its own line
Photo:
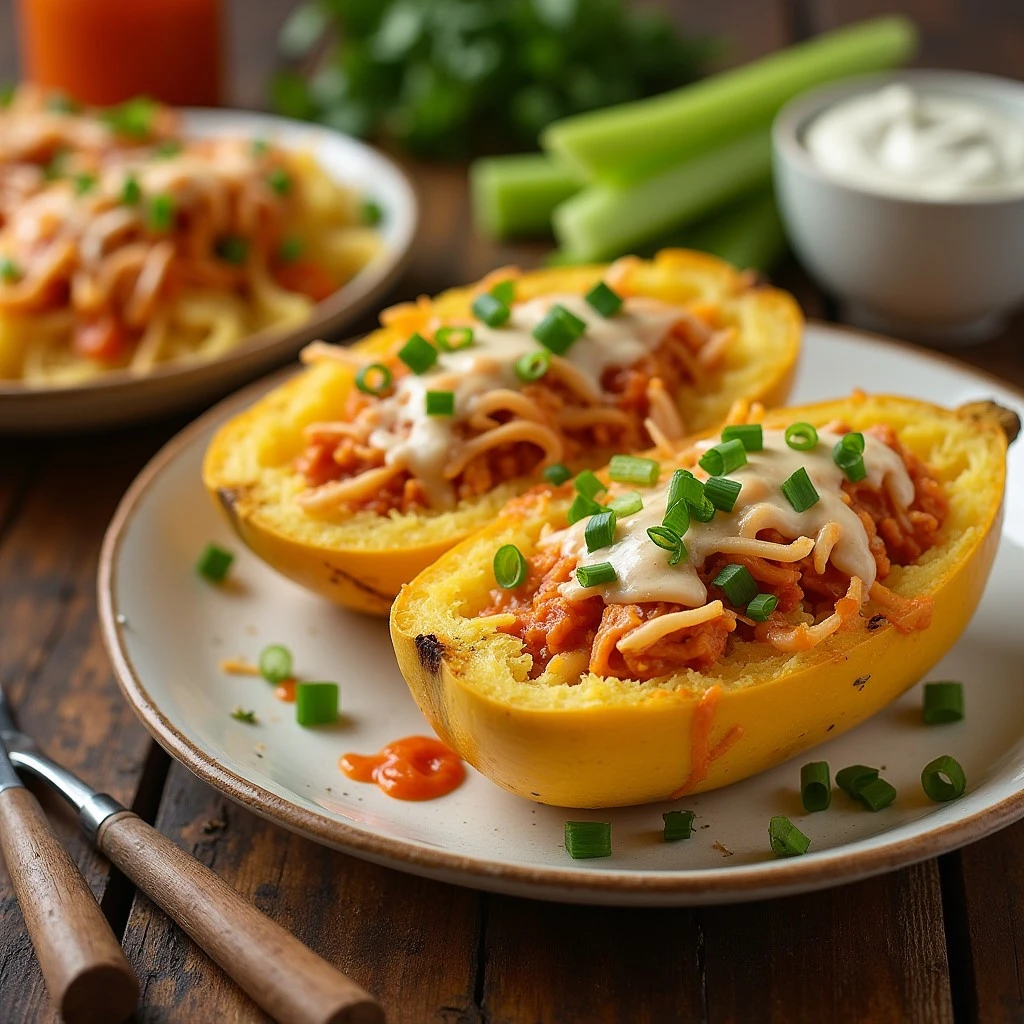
x=670 y=541
x=84 y=183
x=761 y=607
x=557 y=474
x=724 y=458
x=290 y=250
x=505 y=291
x=600 y=530
x=559 y=330
x=801 y=437
x=589 y=484
x=131 y=193
x=943 y=702
x=418 y=354
x=214 y=563
x=259 y=147
x=722 y=492
x=533 y=365
x=853 y=442
x=943 y=779
x=677 y=518
x=815 y=786
x=232 y=249
x=509 y=567
x=581 y=507
x=849 y=460
x=374 y=379
x=168 y=148
x=9 y=270
x=632 y=469
x=739 y=586
x=785 y=838
x=371 y=212
x=678 y=825
x=160 y=213
x=134 y=117
x=490 y=310
x=452 y=339
x=595 y=575
x=603 y=300
x=854 y=777
x=684 y=486
x=876 y=794
x=751 y=434
x=280 y=181
x=276 y=663
x=440 y=403
x=239 y=714
x=316 y=703
x=586 y=839
x=627 y=504
x=799 y=491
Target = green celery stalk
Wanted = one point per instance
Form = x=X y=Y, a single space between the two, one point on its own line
x=604 y=221
x=628 y=142
x=514 y=195
x=746 y=234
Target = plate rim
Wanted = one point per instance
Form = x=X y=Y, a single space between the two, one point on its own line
x=760 y=880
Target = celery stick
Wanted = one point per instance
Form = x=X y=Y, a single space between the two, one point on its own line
x=628 y=142
x=514 y=195
x=603 y=221
x=746 y=234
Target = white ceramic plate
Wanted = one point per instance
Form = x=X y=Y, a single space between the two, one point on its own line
x=120 y=397
x=176 y=628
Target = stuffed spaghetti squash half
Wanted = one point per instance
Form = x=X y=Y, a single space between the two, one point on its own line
x=361 y=470
x=718 y=607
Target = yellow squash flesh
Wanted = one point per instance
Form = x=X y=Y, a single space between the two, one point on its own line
x=589 y=741
x=360 y=560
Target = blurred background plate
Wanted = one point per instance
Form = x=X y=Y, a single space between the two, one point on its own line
x=120 y=397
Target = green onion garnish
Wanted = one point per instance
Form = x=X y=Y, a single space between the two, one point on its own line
x=160 y=213
x=259 y=147
x=505 y=291
x=240 y=714
x=214 y=563
x=595 y=575
x=581 y=507
x=280 y=181
x=589 y=484
x=684 y=486
x=677 y=518
x=451 y=339
x=600 y=530
x=627 y=504
x=418 y=354
x=943 y=702
x=785 y=838
x=7 y=91
x=603 y=300
x=232 y=249
x=559 y=330
x=10 y=272
x=490 y=310
x=761 y=607
x=290 y=250
x=133 y=117
x=632 y=469
x=751 y=434
x=678 y=825
x=130 y=191
x=440 y=403
x=533 y=365
x=316 y=703
x=557 y=474
x=371 y=212
x=585 y=839
x=849 y=460
x=722 y=492
x=509 y=567
x=853 y=778
x=799 y=491
x=801 y=437
x=670 y=541
x=84 y=183
x=853 y=442
x=738 y=584
x=168 y=148
x=374 y=379
x=876 y=794
x=943 y=779
x=276 y=663
x=724 y=458
x=62 y=103
x=815 y=786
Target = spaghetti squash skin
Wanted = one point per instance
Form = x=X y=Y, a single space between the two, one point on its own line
x=361 y=560
x=588 y=741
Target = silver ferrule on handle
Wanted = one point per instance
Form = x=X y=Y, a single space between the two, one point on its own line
x=8 y=776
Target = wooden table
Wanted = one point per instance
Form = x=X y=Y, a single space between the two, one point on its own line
x=940 y=941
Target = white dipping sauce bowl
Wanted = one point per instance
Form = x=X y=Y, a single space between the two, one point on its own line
x=945 y=271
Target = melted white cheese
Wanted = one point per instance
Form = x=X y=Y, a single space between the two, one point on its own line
x=642 y=567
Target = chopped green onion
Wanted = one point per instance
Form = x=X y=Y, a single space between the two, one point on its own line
x=853 y=442
x=374 y=379
x=603 y=300
x=232 y=249
x=214 y=563
x=7 y=91
x=505 y=291
x=589 y=484
x=586 y=839
x=280 y=181
x=722 y=492
x=61 y=103
x=84 y=183
x=440 y=403
x=316 y=703
x=276 y=663
x=751 y=434
x=557 y=474
x=290 y=250
x=876 y=794
x=371 y=212
x=451 y=339
x=627 y=504
x=761 y=607
x=559 y=330
x=632 y=469
x=739 y=586
x=600 y=530
x=259 y=147
x=799 y=491
x=167 y=149
x=815 y=786
x=703 y=511
x=239 y=714
x=595 y=575
x=853 y=779
x=677 y=518
x=55 y=168
x=130 y=191
x=678 y=825
x=134 y=117
x=509 y=567
x=801 y=437
x=785 y=838
x=943 y=702
x=10 y=272
x=533 y=365
x=160 y=213
x=943 y=779
x=849 y=460
x=724 y=458
x=670 y=541
x=581 y=507
x=418 y=354
x=684 y=486
x=490 y=310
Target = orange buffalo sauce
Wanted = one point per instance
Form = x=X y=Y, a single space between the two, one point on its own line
x=703 y=754
x=414 y=768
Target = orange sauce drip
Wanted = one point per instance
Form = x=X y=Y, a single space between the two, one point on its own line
x=286 y=691
x=703 y=755
x=414 y=768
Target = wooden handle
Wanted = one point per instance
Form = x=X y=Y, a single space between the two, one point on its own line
x=85 y=970
x=288 y=980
